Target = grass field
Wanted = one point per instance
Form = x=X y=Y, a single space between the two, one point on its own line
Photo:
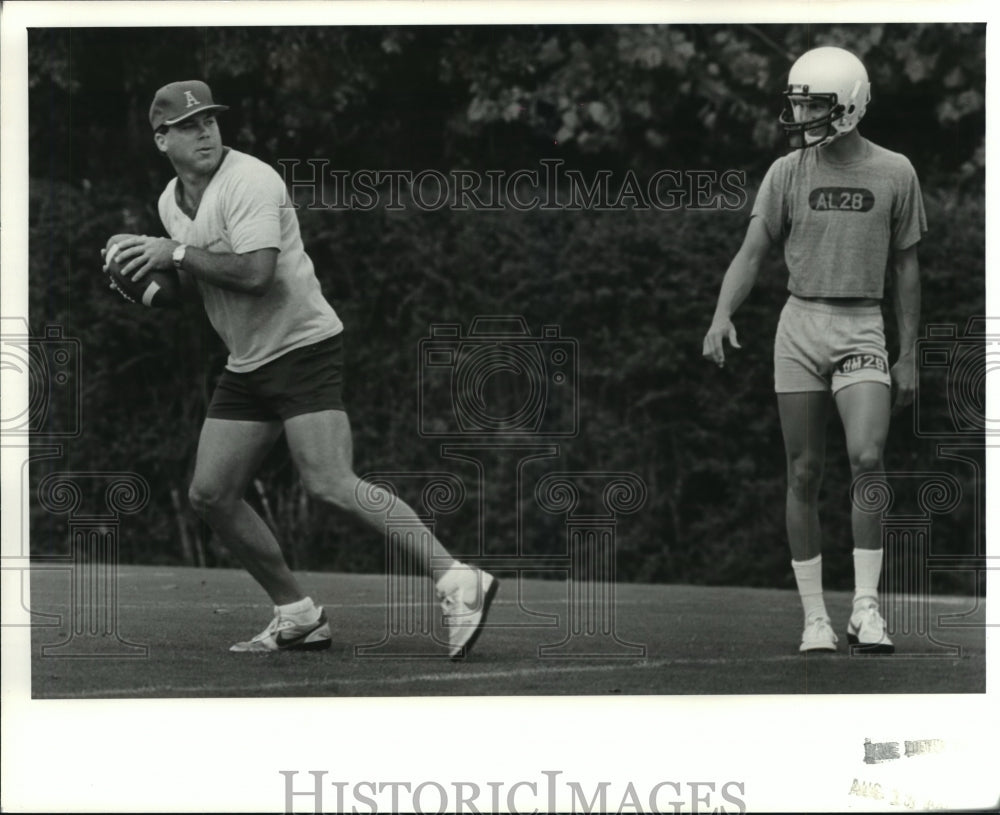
x=669 y=640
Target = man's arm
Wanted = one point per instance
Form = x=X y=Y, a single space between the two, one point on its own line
x=906 y=305
x=736 y=286
x=249 y=273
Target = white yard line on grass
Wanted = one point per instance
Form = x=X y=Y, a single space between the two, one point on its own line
x=945 y=600
x=458 y=676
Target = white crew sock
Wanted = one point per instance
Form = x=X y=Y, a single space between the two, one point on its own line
x=302 y=611
x=867 y=570
x=809 y=579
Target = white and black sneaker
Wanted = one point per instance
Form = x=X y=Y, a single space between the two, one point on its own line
x=866 y=631
x=818 y=637
x=466 y=594
x=287 y=635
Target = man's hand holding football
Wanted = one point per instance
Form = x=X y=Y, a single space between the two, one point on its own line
x=143 y=254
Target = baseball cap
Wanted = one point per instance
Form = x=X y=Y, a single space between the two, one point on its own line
x=177 y=101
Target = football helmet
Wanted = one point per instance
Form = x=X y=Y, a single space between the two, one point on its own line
x=832 y=76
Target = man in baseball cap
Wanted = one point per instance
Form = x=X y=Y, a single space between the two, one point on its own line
x=177 y=101
x=234 y=237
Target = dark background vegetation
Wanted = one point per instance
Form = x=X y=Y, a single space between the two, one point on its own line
x=636 y=288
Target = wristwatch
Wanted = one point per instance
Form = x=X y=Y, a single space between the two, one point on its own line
x=179 y=256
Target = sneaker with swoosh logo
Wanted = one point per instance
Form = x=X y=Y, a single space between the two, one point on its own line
x=866 y=631
x=287 y=635
x=466 y=594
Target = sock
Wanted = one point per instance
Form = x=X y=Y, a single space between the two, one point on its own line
x=809 y=579
x=867 y=570
x=303 y=611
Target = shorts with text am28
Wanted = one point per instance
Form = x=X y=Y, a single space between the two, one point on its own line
x=825 y=347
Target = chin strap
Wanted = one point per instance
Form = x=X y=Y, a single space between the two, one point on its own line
x=798 y=140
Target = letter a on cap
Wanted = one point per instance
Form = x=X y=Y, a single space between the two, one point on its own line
x=177 y=101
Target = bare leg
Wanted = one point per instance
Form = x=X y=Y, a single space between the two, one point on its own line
x=864 y=409
x=322 y=449
x=229 y=453
x=803 y=425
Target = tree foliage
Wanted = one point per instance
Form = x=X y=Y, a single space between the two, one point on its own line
x=635 y=287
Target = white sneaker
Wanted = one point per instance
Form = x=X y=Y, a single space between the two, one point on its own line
x=866 y=631
x=286 y=635
x=466 y=594
x=818 y=636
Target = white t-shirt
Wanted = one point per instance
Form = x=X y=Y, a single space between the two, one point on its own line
x=244 y=209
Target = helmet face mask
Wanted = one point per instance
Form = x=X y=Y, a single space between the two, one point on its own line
x=834 y=78
x=801 y=132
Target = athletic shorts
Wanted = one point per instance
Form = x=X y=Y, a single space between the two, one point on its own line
x=823 y=347
x=306 y=380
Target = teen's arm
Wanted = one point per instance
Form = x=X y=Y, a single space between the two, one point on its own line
x=906 y=305
x=736 y=285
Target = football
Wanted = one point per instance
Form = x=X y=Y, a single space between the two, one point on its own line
x=157 y=289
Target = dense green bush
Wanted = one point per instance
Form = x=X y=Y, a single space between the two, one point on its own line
x=635 y=288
